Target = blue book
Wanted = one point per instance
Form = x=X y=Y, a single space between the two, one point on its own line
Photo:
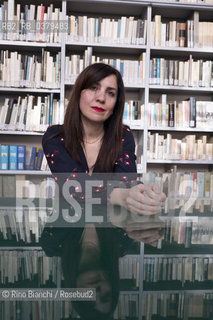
x=96 y=27
x=13 y=157
x=51 y=110
x=158 y=71
x=21 y=157
x=32 y=159
x=126 y=111
x=4 y=157
x=119 y=29
x=39 y=159
x=122 y=68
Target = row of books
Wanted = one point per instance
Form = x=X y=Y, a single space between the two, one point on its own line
x=128 y=307
x=22 y=225
x=30 y=113
x=31 y=22
x=19 y=265
x=133 y=110
x=131 y=71
x=123 y=30
x=187 y=192
x=190 y=73
x=189 y=232
x=191 y=33
x=181 y=269
x=19 y=186
x=129 y=268
x=177 y=306
x=36 y=310
x=32 y=71
x=188 y=113
x=198 y=184
x=12 y=157
x=191 y=147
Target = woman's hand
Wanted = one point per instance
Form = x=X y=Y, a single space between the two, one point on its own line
x=149 y=230
x=144 y=199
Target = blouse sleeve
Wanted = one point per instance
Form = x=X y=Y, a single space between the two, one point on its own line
x=127 y=160
x=57 y=157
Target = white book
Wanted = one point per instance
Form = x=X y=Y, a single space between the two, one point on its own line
x=35 y=117
x=122 y=30
x=3 y=113
x=134 y=31
x=38 y=19
x=29 y=113
x=85 y=29
x=10 y=17
x=130 y=30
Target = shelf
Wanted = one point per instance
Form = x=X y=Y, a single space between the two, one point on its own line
x=19 y=90
x=26 y=172
x=177 y=88
x=21 y=133
x=127 y=85
x=32 y=44
x=179 y=129
x=179 y=161
x=115 y=47
x=183 y=52
x=16 y=248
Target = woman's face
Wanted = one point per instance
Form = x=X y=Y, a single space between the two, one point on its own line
x=97 y=279
x=97 y=102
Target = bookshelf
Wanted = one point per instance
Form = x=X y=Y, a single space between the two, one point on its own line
x=143 y=91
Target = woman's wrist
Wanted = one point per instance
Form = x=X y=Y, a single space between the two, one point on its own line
x=118 y=196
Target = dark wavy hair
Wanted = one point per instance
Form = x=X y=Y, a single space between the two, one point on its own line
x=71 y=253
x=72 y=128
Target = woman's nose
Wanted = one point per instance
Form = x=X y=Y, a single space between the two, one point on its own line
x=100 y=95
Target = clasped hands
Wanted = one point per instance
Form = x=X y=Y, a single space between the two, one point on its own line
x=143 y=203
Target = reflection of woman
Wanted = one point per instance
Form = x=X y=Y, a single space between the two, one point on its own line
x=90 y=260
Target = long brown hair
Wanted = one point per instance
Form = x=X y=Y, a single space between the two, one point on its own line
x=73 y=130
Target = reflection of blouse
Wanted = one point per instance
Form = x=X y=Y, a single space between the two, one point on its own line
x=60 y=161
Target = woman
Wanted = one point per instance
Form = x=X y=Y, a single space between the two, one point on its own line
x=93 y=139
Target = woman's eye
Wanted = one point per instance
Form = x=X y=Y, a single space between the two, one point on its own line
x=93 y=88
x=111 y=93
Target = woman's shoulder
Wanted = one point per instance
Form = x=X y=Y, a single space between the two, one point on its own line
x=52 y=131
x=127 y=135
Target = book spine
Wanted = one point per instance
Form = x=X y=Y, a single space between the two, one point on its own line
x=32 y=159
x=21 y=157
x=4 y=157
x=171 y=120
x=13 y=157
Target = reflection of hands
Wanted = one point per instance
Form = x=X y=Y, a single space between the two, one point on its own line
x=146 y=232
x=145 y=199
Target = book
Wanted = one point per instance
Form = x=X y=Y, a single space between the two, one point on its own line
x=32 y=158
x=21 y=157
x=4 y=157
x=13 y=157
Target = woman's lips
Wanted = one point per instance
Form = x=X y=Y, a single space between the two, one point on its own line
x=98 y=109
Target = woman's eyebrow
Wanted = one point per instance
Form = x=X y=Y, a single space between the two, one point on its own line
x=111 y=88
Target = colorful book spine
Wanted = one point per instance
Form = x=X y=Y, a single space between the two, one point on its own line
x=21 y=157
x=32 y=159
x=4 y=157
x=13 y=157
x=39 y=159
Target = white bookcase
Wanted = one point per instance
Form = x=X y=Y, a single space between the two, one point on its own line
x=146 y=92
